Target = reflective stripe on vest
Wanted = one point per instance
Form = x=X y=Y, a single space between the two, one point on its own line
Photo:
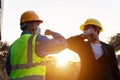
x=30 y=68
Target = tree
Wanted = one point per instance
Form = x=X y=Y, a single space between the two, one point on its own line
x=115 y=42
x=3 y=54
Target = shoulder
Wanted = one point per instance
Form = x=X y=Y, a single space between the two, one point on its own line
x=108 y=47
x=105 y=44
x=42 y=37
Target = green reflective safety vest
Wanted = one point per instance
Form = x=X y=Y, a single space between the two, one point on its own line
x=23 y=58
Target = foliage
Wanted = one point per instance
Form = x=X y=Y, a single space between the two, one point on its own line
x=115 y=42
x=3 y=53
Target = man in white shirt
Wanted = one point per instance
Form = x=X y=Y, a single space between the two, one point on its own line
x=98 y=61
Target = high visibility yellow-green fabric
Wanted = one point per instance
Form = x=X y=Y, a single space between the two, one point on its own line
x=18 y=53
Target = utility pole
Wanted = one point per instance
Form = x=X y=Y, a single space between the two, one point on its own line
x=1 y=17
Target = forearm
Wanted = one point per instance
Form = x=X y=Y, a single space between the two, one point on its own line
x=74 y=41
x=49 y=46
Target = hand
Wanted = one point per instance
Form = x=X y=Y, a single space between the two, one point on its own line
x=48 y=32
x=94 y=37
x=85 y=35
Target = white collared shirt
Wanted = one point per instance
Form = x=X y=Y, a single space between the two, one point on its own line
x=97 y=49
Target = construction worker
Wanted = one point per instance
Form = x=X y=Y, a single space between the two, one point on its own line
x=26 y=56
x=98 y=60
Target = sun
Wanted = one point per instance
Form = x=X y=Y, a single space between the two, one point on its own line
x=64 y=57
x=61 y=60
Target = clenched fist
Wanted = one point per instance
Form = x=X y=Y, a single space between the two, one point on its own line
x=48 y=32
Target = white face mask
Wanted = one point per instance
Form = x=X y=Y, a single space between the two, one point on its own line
x=88 y=31
x=38 y=30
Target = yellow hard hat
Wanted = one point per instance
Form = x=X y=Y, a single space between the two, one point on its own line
x=91 y=21
x=29 y=16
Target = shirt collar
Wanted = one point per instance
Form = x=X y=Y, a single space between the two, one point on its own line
x=26 y=32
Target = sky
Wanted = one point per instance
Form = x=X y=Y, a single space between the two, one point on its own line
x=63 y=16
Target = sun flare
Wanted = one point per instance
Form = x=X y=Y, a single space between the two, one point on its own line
x=64 y=57
x=61 y=60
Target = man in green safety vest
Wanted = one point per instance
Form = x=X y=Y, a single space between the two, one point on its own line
x=26 y=56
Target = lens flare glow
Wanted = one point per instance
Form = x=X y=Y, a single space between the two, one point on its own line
x=64 y=57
